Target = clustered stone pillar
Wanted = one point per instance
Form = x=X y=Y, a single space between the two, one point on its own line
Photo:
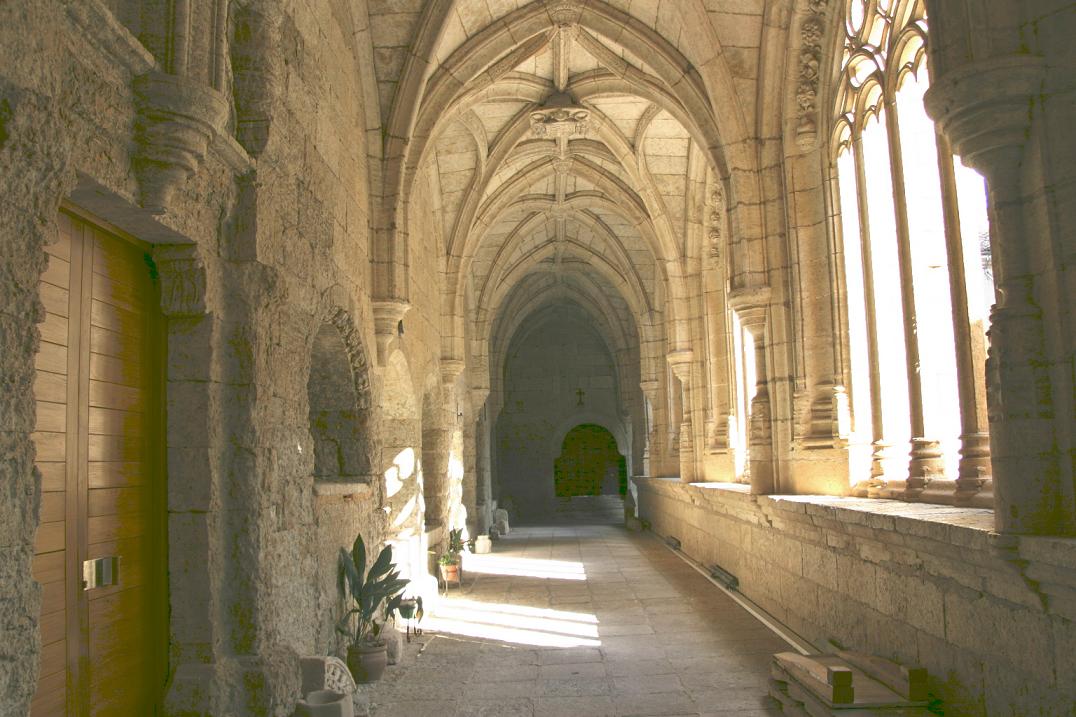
x=982 y=107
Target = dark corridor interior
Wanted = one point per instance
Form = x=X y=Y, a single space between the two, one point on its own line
x=589 y=464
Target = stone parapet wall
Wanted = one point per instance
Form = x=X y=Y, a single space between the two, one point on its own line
x=990 y=616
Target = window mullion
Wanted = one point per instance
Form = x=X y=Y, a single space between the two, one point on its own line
x=973 y=480
x=926 y=456
x=879 y=445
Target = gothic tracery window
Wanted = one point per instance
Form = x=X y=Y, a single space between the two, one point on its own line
x=911 y=222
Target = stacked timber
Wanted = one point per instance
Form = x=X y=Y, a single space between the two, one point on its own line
x=847 y=684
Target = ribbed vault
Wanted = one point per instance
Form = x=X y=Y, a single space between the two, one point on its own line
x=562 y=134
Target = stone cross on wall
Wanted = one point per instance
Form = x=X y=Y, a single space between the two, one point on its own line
x=580 y=393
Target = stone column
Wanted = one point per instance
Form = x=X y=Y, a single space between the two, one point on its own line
x=882 y=468
x=751 y=307
x=680 y=362
x=926 y=455
x=460 y=483
x=982 y=107
x=650 y=449
x=483 y=459
x=973 y=482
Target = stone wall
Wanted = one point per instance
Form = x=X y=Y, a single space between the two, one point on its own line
x=545 y=369
x=991 y=617
x=260 y=227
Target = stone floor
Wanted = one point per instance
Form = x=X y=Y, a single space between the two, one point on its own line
x=585 y=621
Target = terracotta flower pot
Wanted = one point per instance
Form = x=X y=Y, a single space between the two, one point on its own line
x=367 y=662
x=450 y=573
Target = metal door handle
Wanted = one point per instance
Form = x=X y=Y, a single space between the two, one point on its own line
x=100 y=572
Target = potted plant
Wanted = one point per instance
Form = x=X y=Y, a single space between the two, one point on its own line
x=449 y=562
x=376 y=593
x=449 y=565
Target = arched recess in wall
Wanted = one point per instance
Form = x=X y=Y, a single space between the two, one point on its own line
x=619 y=432
x=589 y=463
x=338 y=396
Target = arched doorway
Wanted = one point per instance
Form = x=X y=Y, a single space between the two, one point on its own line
x=589 y=464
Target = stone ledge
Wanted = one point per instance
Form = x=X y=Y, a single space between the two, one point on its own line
x=340 y=488
x=939 y=522
x=947 y=542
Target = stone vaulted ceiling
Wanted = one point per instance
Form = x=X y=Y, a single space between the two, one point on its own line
x=560 y=167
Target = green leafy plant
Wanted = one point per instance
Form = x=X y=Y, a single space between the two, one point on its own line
x=455 y=541
x=449 y=559
x=451 y=556
x=375 y=593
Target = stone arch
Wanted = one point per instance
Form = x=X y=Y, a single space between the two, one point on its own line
x=356 y=355
x=616 y=429
x=427 y=100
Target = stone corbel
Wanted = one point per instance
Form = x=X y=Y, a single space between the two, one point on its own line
x=982 y=108
x=387 y=318
x=680 y=363
x=178 y=120
x=478 y=395
x=451 y=368
x=750 y=303
x=183 y=280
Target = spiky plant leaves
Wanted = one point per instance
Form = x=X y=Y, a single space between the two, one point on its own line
x=358 y=557
x=382 y=565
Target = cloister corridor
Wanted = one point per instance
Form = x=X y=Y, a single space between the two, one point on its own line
x=289 y=284
x=574 y=620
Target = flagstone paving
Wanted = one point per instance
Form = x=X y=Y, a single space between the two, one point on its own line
x=587 y=621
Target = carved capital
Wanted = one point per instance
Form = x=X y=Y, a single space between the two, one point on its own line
x=177 y=120
x=183 y=280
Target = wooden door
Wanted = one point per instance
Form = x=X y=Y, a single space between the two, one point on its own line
x=99 y=442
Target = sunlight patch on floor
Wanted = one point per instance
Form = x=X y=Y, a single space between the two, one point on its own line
x=515 y=624
x=524 y=567
x=525 y=610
